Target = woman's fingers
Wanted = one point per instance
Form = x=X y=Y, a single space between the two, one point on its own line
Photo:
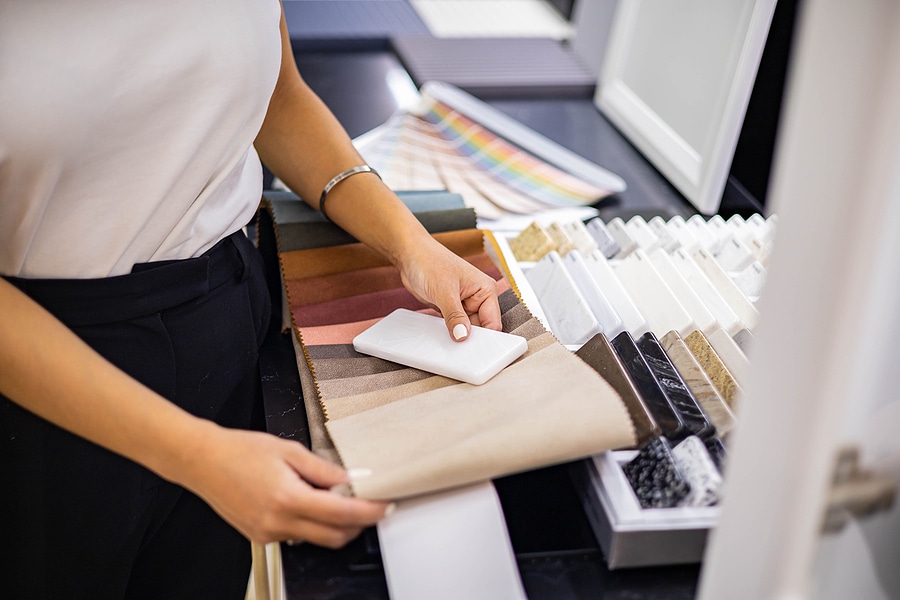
x=272 y=489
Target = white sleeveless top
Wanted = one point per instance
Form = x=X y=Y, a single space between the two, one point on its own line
x=126 y=129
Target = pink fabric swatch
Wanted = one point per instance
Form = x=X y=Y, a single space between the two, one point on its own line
x=342 y=333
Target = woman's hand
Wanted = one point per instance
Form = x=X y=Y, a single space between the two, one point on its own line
x=271 y=489
x=268 y=488
x=303 y=144
x=464 y=295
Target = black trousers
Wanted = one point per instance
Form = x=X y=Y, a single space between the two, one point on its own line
x=77 y=521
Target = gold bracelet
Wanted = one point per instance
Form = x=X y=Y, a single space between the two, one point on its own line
x=339 y=178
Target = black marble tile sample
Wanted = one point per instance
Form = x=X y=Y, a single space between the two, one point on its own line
x=665 y=415
x=655 y=478
x=674 y=387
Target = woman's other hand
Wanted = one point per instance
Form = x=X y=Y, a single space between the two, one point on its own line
x=272 y=489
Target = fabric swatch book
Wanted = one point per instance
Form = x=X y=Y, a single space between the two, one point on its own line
x=419 y=432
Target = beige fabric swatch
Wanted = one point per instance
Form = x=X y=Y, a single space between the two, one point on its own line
x=463 y=433
x=337 y=408
x=530 y=329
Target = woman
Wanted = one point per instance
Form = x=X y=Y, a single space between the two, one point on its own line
x=131 y=305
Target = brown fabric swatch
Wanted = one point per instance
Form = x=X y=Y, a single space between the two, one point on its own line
x=322 y=288
x=299 y=264
x=508 y=300
x=515 y=317
x=312 y=290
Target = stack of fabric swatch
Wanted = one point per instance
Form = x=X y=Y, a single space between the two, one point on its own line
x=419 y=432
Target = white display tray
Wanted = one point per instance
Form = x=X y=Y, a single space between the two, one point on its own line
x=629 y=535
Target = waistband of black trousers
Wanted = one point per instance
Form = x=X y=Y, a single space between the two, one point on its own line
x=150 y=288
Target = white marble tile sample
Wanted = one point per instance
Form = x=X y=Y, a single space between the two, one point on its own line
x=736 y=299
x=568 y=313
x=696 y=308
x=681 y=232
x=623 y=237
x=706 y=291
x=610 y=322
x=652 y=296
x=646 y=239
x=602 y=272
x=606 y=243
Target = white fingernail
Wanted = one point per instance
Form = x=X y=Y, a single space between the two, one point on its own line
x=358 y=473
x=342 y=489
x=390 y=509
x=459 y=331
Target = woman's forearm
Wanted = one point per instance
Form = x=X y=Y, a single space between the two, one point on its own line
x=302 y=142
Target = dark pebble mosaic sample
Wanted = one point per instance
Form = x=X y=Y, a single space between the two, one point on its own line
x=655 y=478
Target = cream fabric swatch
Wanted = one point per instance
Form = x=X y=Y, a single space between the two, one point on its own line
x=459 y=434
